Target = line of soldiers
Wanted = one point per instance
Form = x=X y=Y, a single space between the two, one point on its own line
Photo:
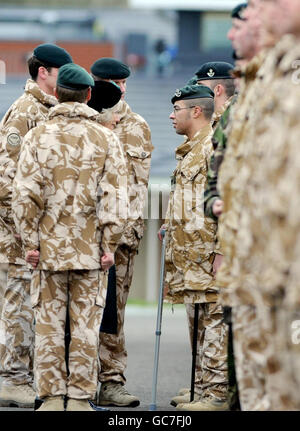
x=240 y=266
x=75 y=164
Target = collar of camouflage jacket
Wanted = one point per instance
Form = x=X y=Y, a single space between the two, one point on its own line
x=218 y=114
x=124 y=110
x=44 y=98
x=188 y=145
x=72 y=110
x=287 y=54
x=251 y=69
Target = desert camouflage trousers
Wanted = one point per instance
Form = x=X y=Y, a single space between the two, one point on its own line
x=112 y=351
x=211 y=378
x=84 y=293
x=3 y=280
x=265 y=359
x=17 y=328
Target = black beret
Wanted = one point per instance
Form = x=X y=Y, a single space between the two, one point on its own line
x=74 y=77
x=214 y=70
x=192 y=81
x=110 y=68
x=193 y=92
x=237 y=12
x=104 y=95
x=52 y=55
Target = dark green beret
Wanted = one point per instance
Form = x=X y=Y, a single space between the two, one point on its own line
x=104 y=95
x=74 y=77
x=110 y=68
x=193 y=92
x=192 y=81
x=52 y=55
x=214 y=70
x=237 y=12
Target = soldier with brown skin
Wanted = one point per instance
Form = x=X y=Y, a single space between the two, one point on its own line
x=69 y=204
x=16 y=330
x=190 y=242
x=135 y=138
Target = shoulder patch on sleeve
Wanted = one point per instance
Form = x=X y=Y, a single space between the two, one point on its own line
x=14 y=139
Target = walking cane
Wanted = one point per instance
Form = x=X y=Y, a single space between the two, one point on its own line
x=194 y=350
x=152 y=406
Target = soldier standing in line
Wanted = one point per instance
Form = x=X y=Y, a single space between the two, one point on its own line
x=252 y=335
x=216 y=76
x=17 y=333
x=135 y=138
x=266 y=264
x=190 y=241
x=69 y=209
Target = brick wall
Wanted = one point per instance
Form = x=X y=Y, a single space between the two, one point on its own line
x=15 y=54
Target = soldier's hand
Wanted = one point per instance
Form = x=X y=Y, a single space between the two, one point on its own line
x=161 y=232
x=217 y=208
x=33 y=257
x=107 y=260
x=217 y=263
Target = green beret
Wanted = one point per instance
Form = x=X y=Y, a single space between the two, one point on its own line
x=237 y=12
x=214 y=70
x=110 y=68
x=104 y=95
x=52 y=55
x=74 y=77
x=192 y=81
x=193 y=92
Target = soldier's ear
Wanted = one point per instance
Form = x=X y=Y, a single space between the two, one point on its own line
x=197 y=111
x=89 y=95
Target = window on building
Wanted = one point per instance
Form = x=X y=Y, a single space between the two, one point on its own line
x=214 y=27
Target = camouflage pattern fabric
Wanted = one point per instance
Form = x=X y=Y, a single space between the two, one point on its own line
x=190 y=236
x=68 y=192
x=266 y=265
x=219 y=141
x=17 y=328
x=112 y=350
x=3 y=279
x=211 y=377
x=216 y=117
x=51 y=292
x=27 y=112
x=135 y=138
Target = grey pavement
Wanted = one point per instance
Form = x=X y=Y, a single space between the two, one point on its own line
x=174 y=359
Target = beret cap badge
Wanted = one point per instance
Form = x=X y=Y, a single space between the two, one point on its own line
x=178 y=93
x=211 y=73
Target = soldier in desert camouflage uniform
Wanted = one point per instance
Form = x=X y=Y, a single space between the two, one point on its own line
x=252 y=331
x=190 y=239
x=135 y=138
x=70 y=209
x=265 y=266
x=17 y=335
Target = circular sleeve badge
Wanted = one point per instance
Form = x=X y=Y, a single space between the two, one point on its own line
x=14 y=139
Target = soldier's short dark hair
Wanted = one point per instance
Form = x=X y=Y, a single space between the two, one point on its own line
x=67 y=95
x=228 y=84
x=33 y=66
x=207 y=105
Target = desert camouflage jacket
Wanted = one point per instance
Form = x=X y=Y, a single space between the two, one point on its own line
x=25 y=113
x=68 y=198
x=266 y=264
x=190 y=236
x=135 y=137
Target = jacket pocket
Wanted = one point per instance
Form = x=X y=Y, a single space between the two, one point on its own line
x=139 y=161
